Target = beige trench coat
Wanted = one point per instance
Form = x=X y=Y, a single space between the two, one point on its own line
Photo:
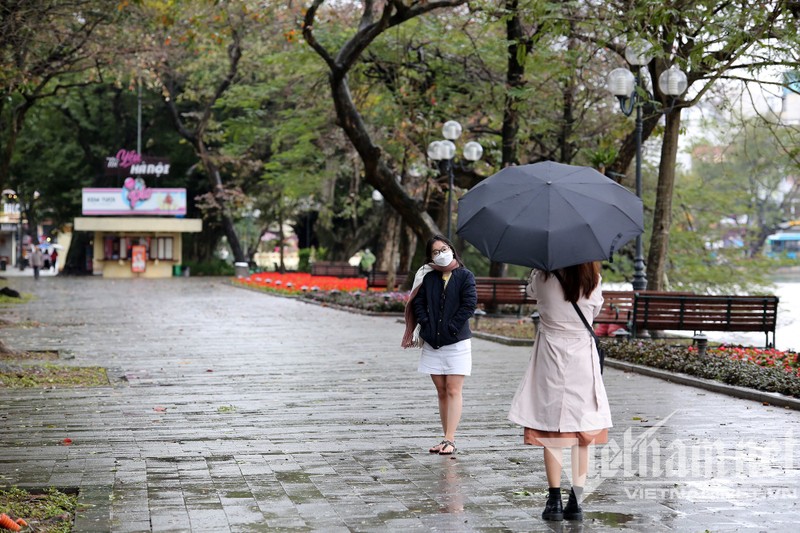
x=562 y=389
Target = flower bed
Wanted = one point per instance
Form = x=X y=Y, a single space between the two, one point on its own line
x=369 y=301
x=734 y=365
x=345 y=292
x=766 y=357
x=301 y=282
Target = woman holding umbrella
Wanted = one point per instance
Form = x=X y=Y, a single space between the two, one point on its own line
x=437 y=315
x=562 y=401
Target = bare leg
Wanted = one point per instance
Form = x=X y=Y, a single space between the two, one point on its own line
x=553 y=459
x=441 y=394
x=580 y=465
x=454 y=404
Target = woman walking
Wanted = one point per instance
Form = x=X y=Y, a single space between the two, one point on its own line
x=437 y=315
x=562 y=401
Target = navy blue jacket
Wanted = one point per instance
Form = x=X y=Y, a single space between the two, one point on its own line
x=443 y=314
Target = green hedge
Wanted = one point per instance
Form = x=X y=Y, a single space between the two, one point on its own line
x=214 y=267
x=718 y=368
x=370 y=301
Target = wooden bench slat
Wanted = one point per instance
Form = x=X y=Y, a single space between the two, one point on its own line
x=379 y=279
x=499 y=291
x=705 y=313
x=332 y=268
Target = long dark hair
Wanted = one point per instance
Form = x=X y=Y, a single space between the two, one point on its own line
x=429 y=249
x=579 y=280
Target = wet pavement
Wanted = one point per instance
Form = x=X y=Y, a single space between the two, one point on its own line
x=233 y=410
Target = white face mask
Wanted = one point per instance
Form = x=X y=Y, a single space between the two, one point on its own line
x=443 y=259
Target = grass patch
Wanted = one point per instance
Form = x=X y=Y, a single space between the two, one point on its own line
x=48 y=355
x=24 y=297
x=52 y=376
x=51 y=512
x=513 y=328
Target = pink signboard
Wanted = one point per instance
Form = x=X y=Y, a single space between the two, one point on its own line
x=134 y=198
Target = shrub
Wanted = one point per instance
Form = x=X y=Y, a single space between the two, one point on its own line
x=303 y=256
x=370 y=301
x=211 y=267
x=718 y=366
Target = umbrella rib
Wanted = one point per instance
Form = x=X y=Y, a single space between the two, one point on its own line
x=590 y=197
x=520 y=213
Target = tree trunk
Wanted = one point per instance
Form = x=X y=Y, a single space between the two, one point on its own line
x=627 y=152
x=389 y=253
x=376 y=172
x=219 y=193
x=662 y=215
x=515 y=73
x=408 y=248
x=565 y=145
x=281 y=238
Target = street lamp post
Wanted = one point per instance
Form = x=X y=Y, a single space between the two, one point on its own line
x=631 y=93
x=446 y=151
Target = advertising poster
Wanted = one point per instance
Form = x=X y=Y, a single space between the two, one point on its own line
x=138 y=258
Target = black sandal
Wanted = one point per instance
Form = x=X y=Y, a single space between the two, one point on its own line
x=445 y=444
x=438 y=447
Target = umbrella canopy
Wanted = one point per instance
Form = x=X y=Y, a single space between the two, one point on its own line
x=549 y=215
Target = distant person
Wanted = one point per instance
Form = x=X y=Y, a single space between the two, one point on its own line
x=437 y=315
x=54 y=260
x=366 y=262
x=37 y=261
x=562 y=401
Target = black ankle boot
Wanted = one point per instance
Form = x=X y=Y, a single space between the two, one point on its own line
x=553 y=509
x=573 y=509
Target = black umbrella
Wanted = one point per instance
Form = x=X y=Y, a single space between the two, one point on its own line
x=549 y=216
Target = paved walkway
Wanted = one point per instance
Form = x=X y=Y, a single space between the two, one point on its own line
x=232 y=410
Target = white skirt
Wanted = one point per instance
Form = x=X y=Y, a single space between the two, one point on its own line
x=453 y=359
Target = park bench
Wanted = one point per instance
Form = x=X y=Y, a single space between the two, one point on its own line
x=498 y=291
x=700 y=313
x=331 y=268
x=617 y=307
x=379 y=279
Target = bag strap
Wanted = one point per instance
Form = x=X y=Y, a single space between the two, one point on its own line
x=578 y=310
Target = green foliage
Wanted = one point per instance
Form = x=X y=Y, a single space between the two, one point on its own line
x=52 y=511
x=693 y=267
x=727 y=205
x=210 y=267
x=24 y=297
x=52 y=376
x=272 y=133
x=303 y=256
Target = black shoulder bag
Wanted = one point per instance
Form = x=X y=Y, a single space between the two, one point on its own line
x=600 y=351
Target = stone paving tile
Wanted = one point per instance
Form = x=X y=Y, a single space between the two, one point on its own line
x=231 y=410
